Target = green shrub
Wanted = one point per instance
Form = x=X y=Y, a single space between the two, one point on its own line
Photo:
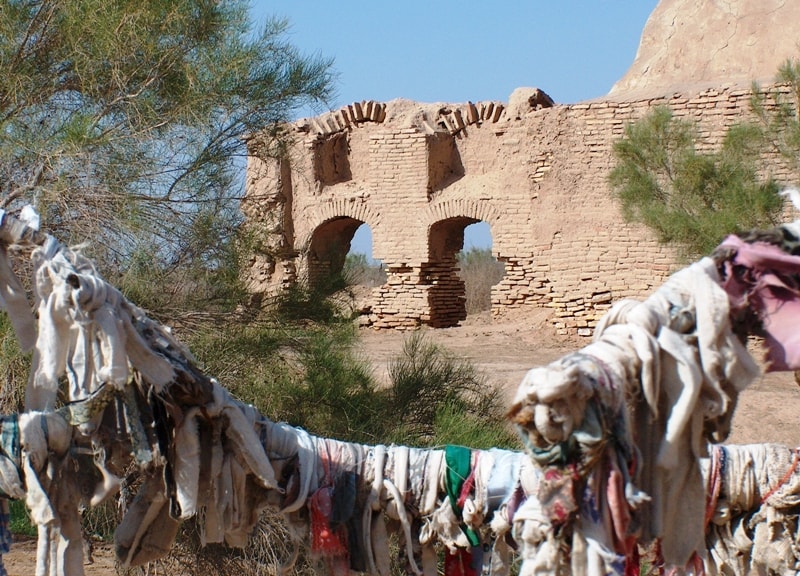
x=247 y=357
x=20 y=519
x=14 y=367
x=453 y=426
x=688 y=198
x=337 y=396
x=431 y=387
x=303 y=303
x=313 y=377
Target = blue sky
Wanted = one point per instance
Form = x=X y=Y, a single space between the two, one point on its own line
x=455 y=51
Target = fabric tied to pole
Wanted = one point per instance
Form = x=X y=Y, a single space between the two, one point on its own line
x=459 y=460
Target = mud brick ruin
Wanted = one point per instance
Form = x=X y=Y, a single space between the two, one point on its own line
x=535 y=171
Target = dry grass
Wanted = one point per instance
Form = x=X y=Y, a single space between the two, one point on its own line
x=480 y=270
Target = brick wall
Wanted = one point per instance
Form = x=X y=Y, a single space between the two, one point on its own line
x=418 y=174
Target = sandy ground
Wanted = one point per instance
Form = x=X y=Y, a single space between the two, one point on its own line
x=768 y=411
x=22 y=560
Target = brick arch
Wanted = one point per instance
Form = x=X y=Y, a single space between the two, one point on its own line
x=340 y=208
x=445 y=223
x=461 y=207
x=327 y=243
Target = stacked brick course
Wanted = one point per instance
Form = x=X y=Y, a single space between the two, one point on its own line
x=418 y=174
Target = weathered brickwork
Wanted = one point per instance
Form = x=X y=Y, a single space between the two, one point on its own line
x=418 y=174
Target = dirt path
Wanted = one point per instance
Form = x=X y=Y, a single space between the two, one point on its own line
x=768 y=411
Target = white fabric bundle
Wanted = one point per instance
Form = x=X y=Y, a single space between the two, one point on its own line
x=754 y=522
x=51 y=493
x=678 y=351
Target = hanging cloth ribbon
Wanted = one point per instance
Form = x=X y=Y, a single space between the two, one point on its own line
x=459 y=460
x=328 y=540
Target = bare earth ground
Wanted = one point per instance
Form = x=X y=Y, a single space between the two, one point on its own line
x=768 y=411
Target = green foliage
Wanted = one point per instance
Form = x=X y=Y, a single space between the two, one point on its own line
x=301 y=302
x=480 y=270
x=779 y=115
x=689 y=198
x=20 y=522
x=436 y=398
x=125 y=124
x=14 y=367
x=455 y=426
x=337 y=396
x=307 y=375
x=247 y=357
x=312 y=376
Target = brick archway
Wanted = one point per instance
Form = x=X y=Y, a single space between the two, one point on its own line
x=446 y=222
x=447 y=295
x=327 y=250
x=462 y=208
x=331 y=232
x=339 y=208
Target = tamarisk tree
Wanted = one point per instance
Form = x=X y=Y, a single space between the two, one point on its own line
x=778 y=114
x=689 y=198
x=124 y=123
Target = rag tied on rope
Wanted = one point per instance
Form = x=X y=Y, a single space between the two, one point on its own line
x=615 y=434
x=141 y=407
x=679 y=361
x=752 y=510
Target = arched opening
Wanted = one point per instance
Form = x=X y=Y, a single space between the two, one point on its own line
x=361 y=269
x=460 y=271
x=478 y=268
x=446 y=293
x=330 y=244
x=341 y=255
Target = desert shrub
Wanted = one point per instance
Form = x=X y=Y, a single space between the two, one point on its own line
x=100 y=522
x=336 y=395
x=20 y=520
x=313 y=377
x=433 y=394
x=689 y=198
x=453 y=426
x=778 y=114
x=479 y=270
x=248 y=358
x=308 y=375
x=301 y=302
